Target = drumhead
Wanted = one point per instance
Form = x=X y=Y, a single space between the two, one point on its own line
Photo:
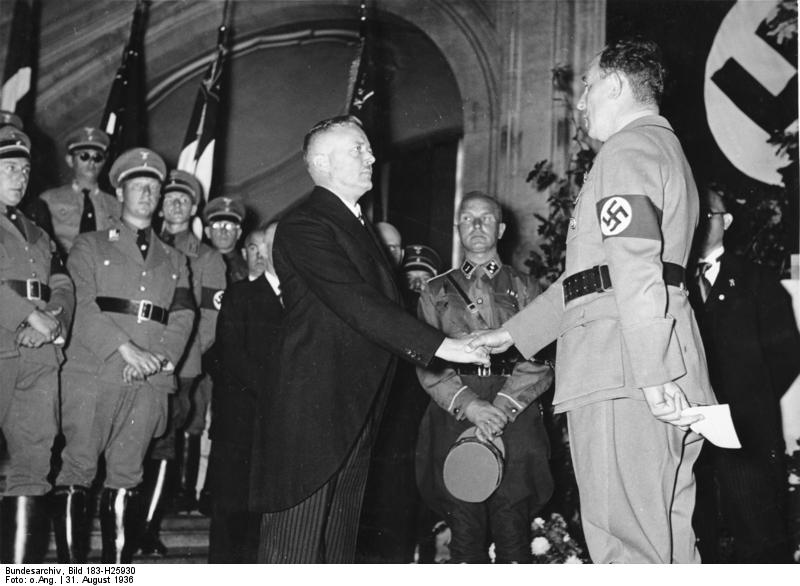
x=473 y=469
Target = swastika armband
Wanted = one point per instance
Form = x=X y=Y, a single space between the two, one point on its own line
x=631 y=216
x=182 y=299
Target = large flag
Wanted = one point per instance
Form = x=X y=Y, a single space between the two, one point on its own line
x=364 y=101
x=197 y=153
x=361 y=93
x=16 y=93
x=125 y=116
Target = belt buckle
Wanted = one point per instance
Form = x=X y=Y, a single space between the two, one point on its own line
x=145 y=311
x=484 y=370
x=33 y=289
x=605 y=285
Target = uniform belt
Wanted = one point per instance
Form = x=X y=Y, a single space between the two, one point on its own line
x=144 y=310
x=500 y=369
x=598 y=279
x=31 y=289
x=501 y=365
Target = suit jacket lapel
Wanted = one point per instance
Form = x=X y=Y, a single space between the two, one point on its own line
x=367 y=239
x=722 y=285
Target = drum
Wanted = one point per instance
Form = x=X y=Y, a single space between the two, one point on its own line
x=473 y=468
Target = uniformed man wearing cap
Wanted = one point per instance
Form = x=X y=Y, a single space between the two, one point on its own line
x=80 y=205
x=501 y=400
x=224 y=217
x=421 y=263
x=182 y=194
x=36 y=305
x=134 y=315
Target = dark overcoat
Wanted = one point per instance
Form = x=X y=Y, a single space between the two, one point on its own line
x=342 y=327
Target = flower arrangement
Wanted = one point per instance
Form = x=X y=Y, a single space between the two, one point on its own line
x=552 y=543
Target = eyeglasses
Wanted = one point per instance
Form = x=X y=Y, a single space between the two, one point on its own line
x=709 y=214
x=96 y=157
x=224 y=225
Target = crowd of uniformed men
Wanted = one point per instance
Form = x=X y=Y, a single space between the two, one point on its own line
x=109 y=311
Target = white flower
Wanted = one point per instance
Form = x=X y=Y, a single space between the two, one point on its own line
x=573 y=559
x=540 y=546
x=538 y=522
x=491 y=553
x=566 y=538
x=794 y=479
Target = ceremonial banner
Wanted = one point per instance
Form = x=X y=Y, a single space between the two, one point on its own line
x=16 y=94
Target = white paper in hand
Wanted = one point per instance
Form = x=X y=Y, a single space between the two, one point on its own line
x=717 y=425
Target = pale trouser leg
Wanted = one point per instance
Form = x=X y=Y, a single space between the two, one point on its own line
x=636 y=485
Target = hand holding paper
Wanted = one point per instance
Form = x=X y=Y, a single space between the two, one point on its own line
x=716 y=425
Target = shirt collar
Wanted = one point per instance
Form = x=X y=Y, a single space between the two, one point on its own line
x=78 y=189
x=355 y=209
x=713 y=256
x=490 y=268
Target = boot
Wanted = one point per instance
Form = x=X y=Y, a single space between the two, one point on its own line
x=23 y=529
x=119 y=524
x=156 y=487
x=71 y=523
x=190 y=464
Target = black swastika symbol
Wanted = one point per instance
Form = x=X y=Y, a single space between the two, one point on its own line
x=612 y=215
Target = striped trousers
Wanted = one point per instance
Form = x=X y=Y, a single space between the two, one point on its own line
x=324 y=527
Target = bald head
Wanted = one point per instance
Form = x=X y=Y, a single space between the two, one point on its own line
x=392 y=241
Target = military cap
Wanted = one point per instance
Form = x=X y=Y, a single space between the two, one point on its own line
x=421 y=257
x=10 y=119
x=88 y=138
x=224 y=208
x=14 y=143
x=184 y=182
x=137 y=162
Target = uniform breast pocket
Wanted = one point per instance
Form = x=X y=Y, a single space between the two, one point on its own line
x=63 y=212
x=589 y=359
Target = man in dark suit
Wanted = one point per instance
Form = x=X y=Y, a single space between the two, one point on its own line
x=752 y=346
x=342 y=326
x=248 y=331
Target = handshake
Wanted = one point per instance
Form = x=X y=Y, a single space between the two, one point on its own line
x=475 y=347
x=39 y=328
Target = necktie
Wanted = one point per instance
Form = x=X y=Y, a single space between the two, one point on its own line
x=168 y=238
x=142 y=242
x=703 y=284
x=88 y=223
x=14 y=216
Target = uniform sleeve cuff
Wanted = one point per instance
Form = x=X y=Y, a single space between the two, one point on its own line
x=654 y=352
x=459 y=402
x=508 y=405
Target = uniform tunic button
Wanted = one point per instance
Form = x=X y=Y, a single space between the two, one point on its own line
x=141 y=288
x=144 y=273
x=480 y=300
x=30 y=260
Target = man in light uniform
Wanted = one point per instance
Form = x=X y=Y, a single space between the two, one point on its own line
x=630 y=358
x=133 y=318
x=36 y=305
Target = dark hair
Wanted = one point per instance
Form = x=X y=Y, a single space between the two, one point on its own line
x=641 y=62
x=498 y=210
x=327 y=124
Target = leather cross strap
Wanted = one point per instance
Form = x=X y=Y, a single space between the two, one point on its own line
x=31 y=289
x=471 y=305
x=144 y=310
x=598 y=279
